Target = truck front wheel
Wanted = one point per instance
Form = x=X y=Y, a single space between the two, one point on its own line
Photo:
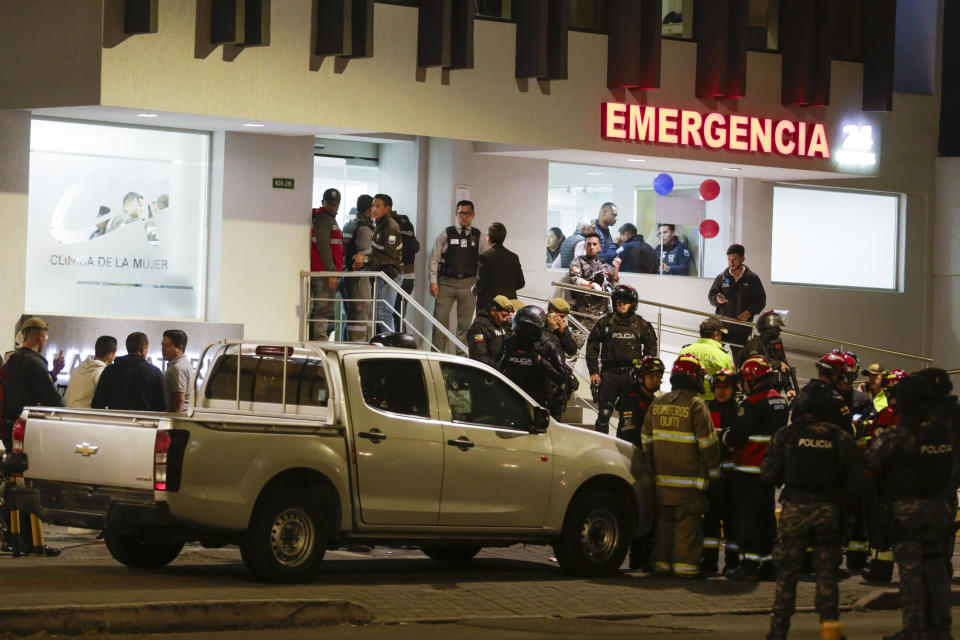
x=595 y=537
x=287 y=536
x=141 y=549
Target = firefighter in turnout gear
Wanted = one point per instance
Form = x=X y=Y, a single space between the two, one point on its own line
x=647 y=376
x=820 y=468
x=914 y=465
x=720 y=520
x=616 y=341
x=680 y=446
x=529 y=360
x=767 y=343
x=761 y=414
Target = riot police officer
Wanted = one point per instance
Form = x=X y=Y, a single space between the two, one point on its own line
x=489 y=329
x=819 y=467
x=914 y=465
x=529 y=360
x=617 y=339
x=767 y=343
x=831 y=370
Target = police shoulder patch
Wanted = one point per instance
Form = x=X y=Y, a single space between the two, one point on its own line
x=392 y=239
x=478 y=337
x=686 y=253
x=574 y=268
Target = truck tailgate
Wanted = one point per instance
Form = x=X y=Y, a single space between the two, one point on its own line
x=104 y=450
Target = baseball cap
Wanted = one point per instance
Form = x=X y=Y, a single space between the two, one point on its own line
x=712 y=324
x=502 y=303
x=873 y=370
x=517 y=305
x=34 y=323
x=332 y=196
x=560 y=305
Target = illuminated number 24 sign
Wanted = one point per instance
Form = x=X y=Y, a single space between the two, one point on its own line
x=856 y=146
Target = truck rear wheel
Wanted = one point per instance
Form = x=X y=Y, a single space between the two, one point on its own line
x=140 y=549
x=595 y=536
x=287 y=536
x=449 y=553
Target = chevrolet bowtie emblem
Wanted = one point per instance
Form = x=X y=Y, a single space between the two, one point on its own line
x=86 y=449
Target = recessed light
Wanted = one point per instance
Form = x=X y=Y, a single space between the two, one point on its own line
x=252 y=124
x=594 y=173
x=147 y=115
x=732 y=169
x=636 y=160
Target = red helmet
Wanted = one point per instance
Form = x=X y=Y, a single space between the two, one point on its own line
x=647 y=364
x=893 y=377
x=727 y=377
x=755 y=368
x=833 y=363
x=688 y=364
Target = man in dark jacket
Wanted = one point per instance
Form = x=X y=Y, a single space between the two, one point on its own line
x=674 y=255
x=28 y=382
x=737 y=293
x=499 y=272
x=131 y=383
x=411 y=246
x=528 y=360
x=636 y=256
x=486 y=335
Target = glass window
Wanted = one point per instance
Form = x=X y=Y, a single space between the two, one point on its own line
x=117 y=221
x=806 y=220
x=477 y=397
x=494 y=8
x=763 y=25
x=588 y=14
x=677 y=19
x=395 y=385
x=261 y=380
x=353 y=177
x=577 y=192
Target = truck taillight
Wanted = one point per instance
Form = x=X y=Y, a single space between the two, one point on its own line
x=19 y=430
x=168 y=451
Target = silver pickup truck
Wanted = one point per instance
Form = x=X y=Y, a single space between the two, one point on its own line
x=293 y=449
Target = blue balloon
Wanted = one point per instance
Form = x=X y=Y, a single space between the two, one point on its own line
x=663 y=184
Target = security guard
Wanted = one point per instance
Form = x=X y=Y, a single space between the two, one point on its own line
x=820 y=468
x=615 y=342
x=761 y=414
x=680 y=447
x=488 y=331
x=589 y=271
x=710 y=351
x=721 y=518
x=767 y=343
x=914 y=465
x=529 y=360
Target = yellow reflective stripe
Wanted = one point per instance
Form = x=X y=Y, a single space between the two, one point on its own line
x=662 y=566
x=857 y=546
x=645 y=438
x=711 y=543
x=732 y=546
x=884 y=555
x=726 y=465
x=708 y=441
x=751 y=556
x=714 y=473
x=746 y=469
x=760 y=438
x=680 y=567
x=681 y=481
x=673 y=436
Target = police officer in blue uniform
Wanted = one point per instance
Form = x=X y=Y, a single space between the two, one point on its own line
x=674 y=255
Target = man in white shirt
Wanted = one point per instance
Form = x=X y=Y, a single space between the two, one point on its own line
x=84 y=378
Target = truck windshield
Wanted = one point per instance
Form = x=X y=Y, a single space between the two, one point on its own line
x=261 y=380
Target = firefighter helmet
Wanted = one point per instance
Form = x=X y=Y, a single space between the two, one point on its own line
x=727 y=377
x=891 y=378
x=754 y=369
x=832 y=363
x=647 y=364
x=688 y=365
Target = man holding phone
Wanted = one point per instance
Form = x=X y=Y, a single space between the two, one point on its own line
x=737 y=293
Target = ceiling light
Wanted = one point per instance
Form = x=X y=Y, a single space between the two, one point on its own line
x=252 y=124
x=636 y=160
x=594 y=173
x=732 y=169
x=147 y=115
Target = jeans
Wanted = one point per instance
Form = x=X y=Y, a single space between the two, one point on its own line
x=386 y=297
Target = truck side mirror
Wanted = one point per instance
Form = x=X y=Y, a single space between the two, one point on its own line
x=541 y=419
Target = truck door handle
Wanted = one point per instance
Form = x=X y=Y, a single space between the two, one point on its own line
x=461 y=442
x=373 y=435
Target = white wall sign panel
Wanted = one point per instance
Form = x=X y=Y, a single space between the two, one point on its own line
x=117 y=221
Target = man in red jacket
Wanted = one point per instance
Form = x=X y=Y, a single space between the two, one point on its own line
x=326 y=254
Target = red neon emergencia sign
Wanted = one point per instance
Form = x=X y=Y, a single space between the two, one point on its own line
x=641 y=123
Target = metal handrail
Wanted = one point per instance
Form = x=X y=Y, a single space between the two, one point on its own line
x=406 y=297
x=803 y=334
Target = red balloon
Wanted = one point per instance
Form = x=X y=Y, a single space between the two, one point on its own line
x=709 y=189
x=709 y=228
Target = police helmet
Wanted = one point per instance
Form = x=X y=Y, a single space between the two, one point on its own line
x=818 y=402
x=938 y=379
x=754 y=369
x=392 y=339
x=893 y=377
x=832 y=364
x=911 y=392
x=625 y=293
x=770 y=320
x=645 y=365
x=689 y=365
x=528 y=323
x=725 y=377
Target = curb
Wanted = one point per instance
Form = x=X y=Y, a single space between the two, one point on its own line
x=160 y=617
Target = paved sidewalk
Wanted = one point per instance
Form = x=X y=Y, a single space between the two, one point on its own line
x=391 y=585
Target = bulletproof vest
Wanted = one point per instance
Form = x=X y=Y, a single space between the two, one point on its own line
x=567 y=248
x=460 y=258
x=922 y=467
x=620 y=340
x=349 y=239
x=520 y=366
x=813 y=463
x=409 y=248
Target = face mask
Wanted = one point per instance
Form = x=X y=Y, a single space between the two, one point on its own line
x=772 y=334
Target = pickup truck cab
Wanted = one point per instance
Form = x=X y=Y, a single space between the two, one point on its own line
x=293 y=449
